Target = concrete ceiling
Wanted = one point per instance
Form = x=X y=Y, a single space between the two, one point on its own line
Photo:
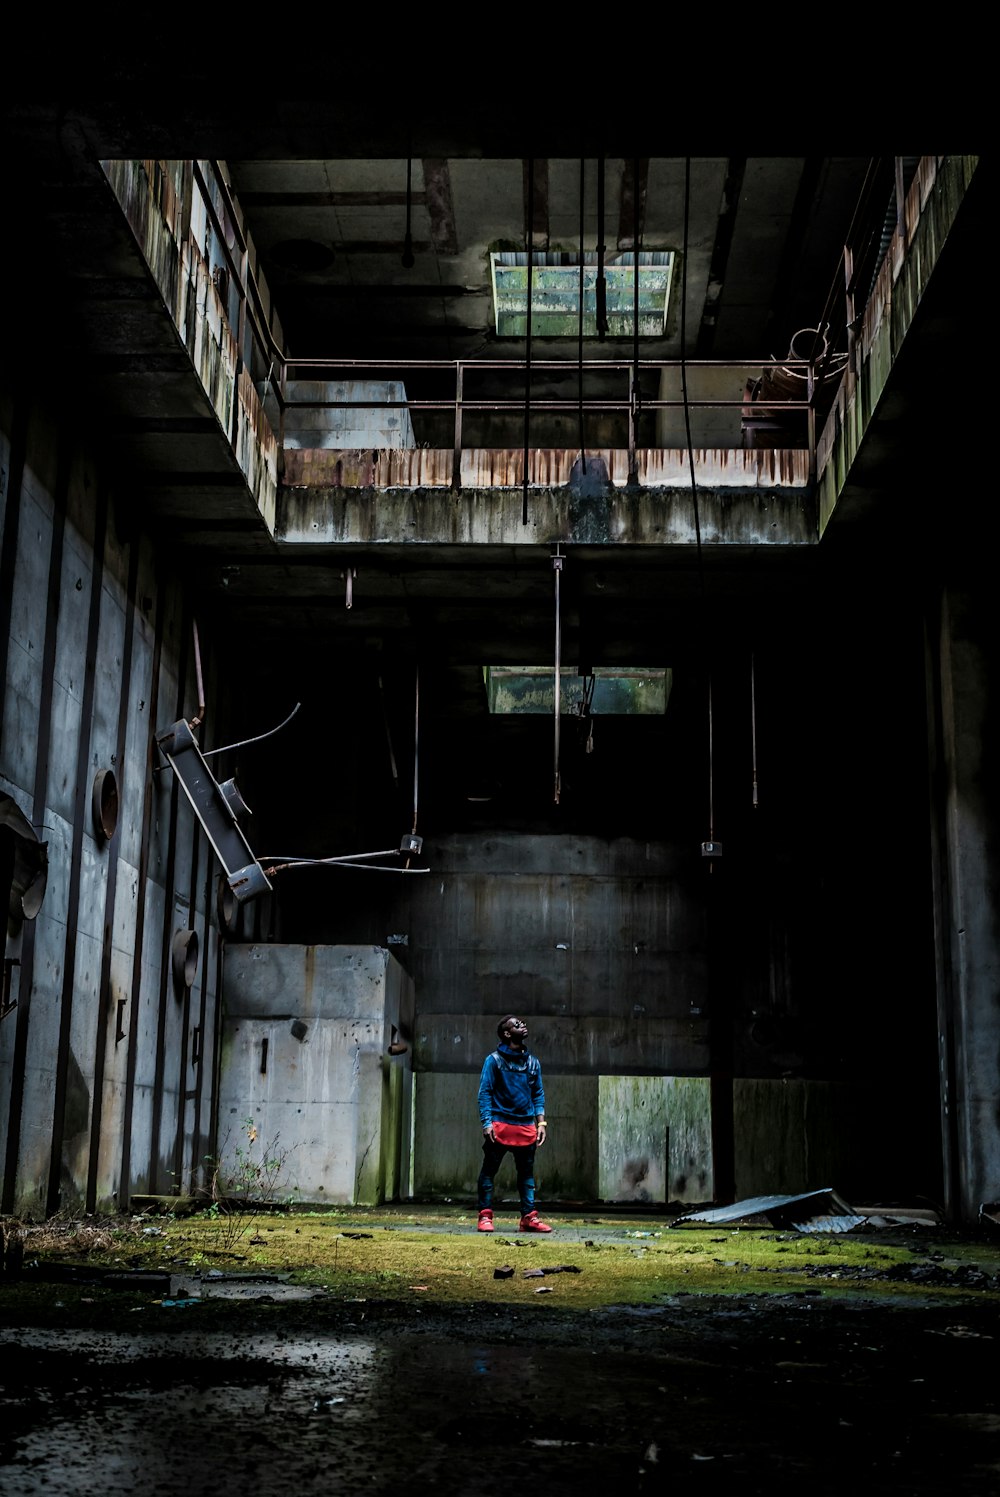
x=763 y=236
x=322 y=185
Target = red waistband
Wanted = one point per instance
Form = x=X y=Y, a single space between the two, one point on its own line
x=515 y=1134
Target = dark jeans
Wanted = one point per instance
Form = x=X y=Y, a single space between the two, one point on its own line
x=524 y=1164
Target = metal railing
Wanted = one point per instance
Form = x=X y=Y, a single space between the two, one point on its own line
x=813 y=365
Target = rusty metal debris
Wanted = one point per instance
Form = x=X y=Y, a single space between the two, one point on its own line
x=989 y=1217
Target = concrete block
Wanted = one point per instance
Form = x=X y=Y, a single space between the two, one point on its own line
x=306 y=1037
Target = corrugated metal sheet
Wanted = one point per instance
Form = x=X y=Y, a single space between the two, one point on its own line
x=814 y=1211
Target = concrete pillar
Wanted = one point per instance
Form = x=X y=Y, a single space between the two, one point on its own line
x=963 y=631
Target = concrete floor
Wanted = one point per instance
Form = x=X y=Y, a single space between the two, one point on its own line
x=760 y=1393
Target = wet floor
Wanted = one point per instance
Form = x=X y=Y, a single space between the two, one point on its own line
x=761 y=1393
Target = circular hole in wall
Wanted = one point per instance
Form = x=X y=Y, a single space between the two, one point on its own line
x=227 y=907
x=184 y=957
x=104 y=803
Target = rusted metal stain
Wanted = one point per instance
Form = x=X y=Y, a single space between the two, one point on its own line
x=931 y=204
x=149 y=193
x=503 y=468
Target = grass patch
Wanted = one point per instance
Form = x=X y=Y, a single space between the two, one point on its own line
x=398 y=1255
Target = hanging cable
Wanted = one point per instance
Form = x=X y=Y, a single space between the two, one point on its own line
x=388 y=734
x=709 y=848
x=684 y=388
x=351 y=861
x=601 y=287
x=557 y=565
x=412 y=844
x=711 y=789
x=635 y=400
x=527 y=334
x=196 y=720
x=416 y=748
x=207 y=753
x=585 y=709
x=583 y=452
x=753 y=728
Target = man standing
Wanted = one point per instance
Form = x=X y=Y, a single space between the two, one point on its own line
x=512 y=1112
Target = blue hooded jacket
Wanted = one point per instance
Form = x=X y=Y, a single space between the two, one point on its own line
x=510 y=1087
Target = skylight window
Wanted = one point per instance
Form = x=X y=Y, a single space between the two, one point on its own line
x=617 y=691
x=555 y=294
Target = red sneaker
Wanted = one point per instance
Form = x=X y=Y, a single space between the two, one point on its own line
x=485 y=1221
x=533 y=1223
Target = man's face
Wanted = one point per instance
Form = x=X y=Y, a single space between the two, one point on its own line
x=516 y=1031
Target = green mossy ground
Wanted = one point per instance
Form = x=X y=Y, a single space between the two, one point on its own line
x=394 y=1254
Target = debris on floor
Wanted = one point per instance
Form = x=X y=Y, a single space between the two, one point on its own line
x=989 y=1217
x=813 y=1211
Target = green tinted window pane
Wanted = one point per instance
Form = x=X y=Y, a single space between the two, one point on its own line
x=555 y=294
x=625 y=692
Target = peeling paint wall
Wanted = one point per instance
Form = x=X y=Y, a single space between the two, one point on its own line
x=931 y=206
x=167 y=209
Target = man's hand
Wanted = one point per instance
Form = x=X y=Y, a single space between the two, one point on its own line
x=541 y=1125
x=488 y=1133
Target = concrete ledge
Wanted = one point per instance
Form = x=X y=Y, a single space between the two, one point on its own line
x=360 y=509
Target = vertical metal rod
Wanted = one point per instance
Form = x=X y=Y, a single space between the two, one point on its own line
x=557 y=562
x=201 y=684
x=456 y=462
x=527 y=335
x=600 y=289
x=583 y=451
x=711 y=775
x=634 y=401
x=416 y=747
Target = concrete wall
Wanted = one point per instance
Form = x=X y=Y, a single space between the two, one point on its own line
x=798 y=1132
x=349 y=426
x=106 y=1069
x=305 y=1054
x=655 y=1138
x=963 y=665
x=600 y=943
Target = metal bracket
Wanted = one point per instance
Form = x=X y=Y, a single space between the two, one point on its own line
x=215 y=809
